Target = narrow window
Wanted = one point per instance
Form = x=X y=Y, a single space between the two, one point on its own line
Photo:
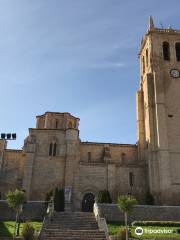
x=89 y=156
x=70 y=125
x=123 y=157
x=178 y=51
x=143 y=64
x=56 y=125
x=147 y=58
x=166 y=51
x=50 y=149
x=131 y=179
x=54 y=149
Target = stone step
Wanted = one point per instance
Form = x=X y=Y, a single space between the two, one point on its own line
x=75 y=235
x=71 y=220
x=76 y=214
x=72 y=226
x=73 y=232
x=75 y=238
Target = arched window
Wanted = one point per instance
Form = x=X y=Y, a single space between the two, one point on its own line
x=147 y=58
x=89 y=156
x=166 y=51
x=177 y=51
x=50 y=149
x=54 y=149
x=70 y=125
x=123 y=157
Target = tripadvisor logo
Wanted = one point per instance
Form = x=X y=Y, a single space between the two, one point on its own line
x=139 y=231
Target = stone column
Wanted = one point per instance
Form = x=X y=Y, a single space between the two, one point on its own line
x=111 y=179
x=2 y=148
x=140 y=124
x=72 y=158
x=162 y=140
x=29 y=148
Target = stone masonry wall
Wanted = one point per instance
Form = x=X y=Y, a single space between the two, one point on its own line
x=11 y=171
x=112 y=213
x=34 y=210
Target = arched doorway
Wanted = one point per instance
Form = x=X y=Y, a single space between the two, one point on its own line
x=88 y=202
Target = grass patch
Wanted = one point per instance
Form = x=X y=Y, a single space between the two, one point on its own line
x=7 y=228
x=115 y=227
x=174 y=233
x=156 y=223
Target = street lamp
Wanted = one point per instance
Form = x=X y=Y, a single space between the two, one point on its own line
x=8 y=136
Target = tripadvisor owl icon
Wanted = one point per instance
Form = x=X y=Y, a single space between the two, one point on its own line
x=139 y=231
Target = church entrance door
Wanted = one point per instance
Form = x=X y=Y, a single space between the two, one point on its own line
x=88 y=202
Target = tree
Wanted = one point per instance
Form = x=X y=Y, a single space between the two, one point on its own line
x=48 y=197
x=15 y=201
x=149 y=198
x=126 y=204
x=104 y=197
x=27 y=231
x=59 y=200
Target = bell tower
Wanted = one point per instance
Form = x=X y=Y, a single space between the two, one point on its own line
x=158 y=112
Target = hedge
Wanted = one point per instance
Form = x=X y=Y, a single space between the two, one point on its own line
x=104 y=197
x=156 y=223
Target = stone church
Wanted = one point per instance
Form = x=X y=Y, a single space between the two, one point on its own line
x=54 y=156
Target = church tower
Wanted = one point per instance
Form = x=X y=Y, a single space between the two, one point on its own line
x=158 y=112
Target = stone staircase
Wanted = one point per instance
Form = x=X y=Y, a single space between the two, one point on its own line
x=71 y=226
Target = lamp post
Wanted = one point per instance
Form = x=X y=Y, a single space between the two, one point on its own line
x=8 y=136
x=5 y=137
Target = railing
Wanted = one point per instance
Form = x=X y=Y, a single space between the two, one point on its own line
x=166 y=30
x=101 y=221
x=43 y=223
x=40 y=232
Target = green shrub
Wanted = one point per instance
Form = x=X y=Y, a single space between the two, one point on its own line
x=104 y=197
x=59 y=200
x=48 y=197
x=156 y=223
x=149 y=199
x=122 y=234
x=27 y=231
x=56 y=200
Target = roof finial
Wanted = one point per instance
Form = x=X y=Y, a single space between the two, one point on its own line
x=150 y=23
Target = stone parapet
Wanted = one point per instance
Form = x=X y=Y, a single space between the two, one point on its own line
x=32 y=210
x=112 y=213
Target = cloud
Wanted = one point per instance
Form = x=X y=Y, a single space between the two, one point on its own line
x=107 y=65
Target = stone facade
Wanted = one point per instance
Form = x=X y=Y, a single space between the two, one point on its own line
x=54 y=156
x=158 y=111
